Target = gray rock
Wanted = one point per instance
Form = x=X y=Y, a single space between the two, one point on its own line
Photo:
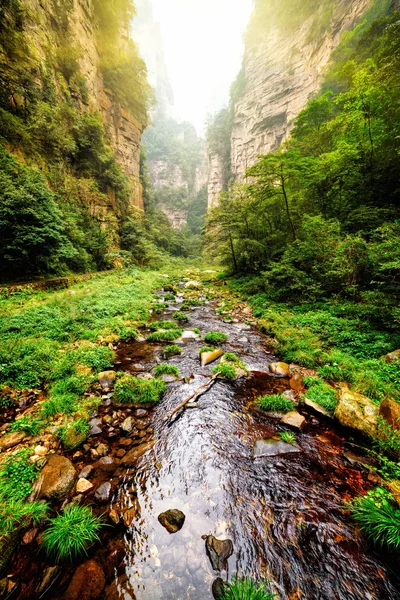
x=218 y=552
x=218 y=588
x=139 y=413
x=273 y=448
x=95 y=430
x=103 y=493
x=172 y=520
x=50 y=575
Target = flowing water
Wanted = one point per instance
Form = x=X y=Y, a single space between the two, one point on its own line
x=284 y=514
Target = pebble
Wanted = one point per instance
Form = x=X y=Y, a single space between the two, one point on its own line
x=86 y=471
x=83 y=486
x=41 y=451
x=103 y=492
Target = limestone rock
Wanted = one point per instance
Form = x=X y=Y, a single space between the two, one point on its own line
x=390 y=411
x=87 y=583
x=218 y=552
x=294 y=419
x=57 y=478
x=172 y=520
x=280 y=368
x=193 y=285
x=132 y=457
x=209 y=357
x=356 y=411
x=11 y=439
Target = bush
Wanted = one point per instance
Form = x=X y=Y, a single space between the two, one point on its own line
x=320 y=392
x=71 y=533
x=276 y=403
x=215 y=337
x=379 y=518
x=133 y=390
x=163 y=325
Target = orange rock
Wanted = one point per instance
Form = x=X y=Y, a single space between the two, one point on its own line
x=87 y=583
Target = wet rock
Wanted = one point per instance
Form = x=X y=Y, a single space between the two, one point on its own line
x=116 y=590
x=294 y=419
x=296 y=382
x=172 y=520
x=95 y=430
x=114 y=516
x=103 y=493
x=392 y=356
x=86 y=471
x=390 y=411
x=132 y=457
x=105 y=466
x=192 y=405
x=290 y=394
x=49 y=578
x=188 y=336
x=357 y=412
x=139 y=413
x=56 y=479
x=111 y=558
x=87 y=583
x=128 y=425
x=11 y=439
x=41 y=451
x=29 y=536
x=357 y=460
x=218 y=551
x=218 y=588
x=73 y=439
x=83 y=486
x=120 y=453
x=317 y=408
x=209 y=357
x=107 y=379
x=273 y=447
x=102 y=449
x=169 y=378
x=130 y=514
x=280 y=368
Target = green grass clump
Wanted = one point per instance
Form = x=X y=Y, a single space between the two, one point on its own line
x=134 y=390
x=225 y=371
x=168 y=296
x=246 y=589
x=288 y=437
x=197 y=330
x=159 y=307
x=16 y=513
x=231 y=357
x=74 y=434
x=276 y=403
x=215 y=337
x=320 y=392
x=379 y=518
x=71 y=533
x=28 y=424
x=173 y=350
x=156 y=325
x=166 y=369
x=181 y=317
x=205 y=349
x=169 y=335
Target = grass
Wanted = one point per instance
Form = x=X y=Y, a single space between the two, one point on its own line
x=225 y=371
x=379 y=518
x=134 y=390
x=156 y=325
x=173 y=350
x=231 y=357
x=169 y=335
x=181 y=317
x=245 y=589
x=74 y=434
x=205 y=349
x=215 y=337
x=159 y=307
x=387 y=440
x=71 y=533
x=166 y=369
x=27 y=424
x=169 y=297
x=320 y=392
x=288 y=437
x=276 y=403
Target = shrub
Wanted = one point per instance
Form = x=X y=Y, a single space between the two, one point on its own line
x=320 y=392
x=225 y=371
x=132 y=390
x=215 y=337
x=245 y=589
x=71 y=532
x=276 y=403
x=288 y=437
x=165 y=336
x=379 y=518
x=181 y=317
x=173 y=350
x=166 y=370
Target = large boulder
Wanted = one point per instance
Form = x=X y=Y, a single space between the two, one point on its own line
x=390 y=411
x=87 y=583
x=357 y=411
x=56 y=479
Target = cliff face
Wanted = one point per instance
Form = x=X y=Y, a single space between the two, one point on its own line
x=281 y=73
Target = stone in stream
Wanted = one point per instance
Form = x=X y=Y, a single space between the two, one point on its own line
x=83 y=486
x=218 y=552
x=280 y=368
x=172 y=520
x=294 y=419
x=209 y=357
x=87 y=583
x=273 y=447
x=218 y=588
x=50 y=576
x=133 y=456
x=128 y=424
x=103 y=492
x=357 y=411
x=56 y=479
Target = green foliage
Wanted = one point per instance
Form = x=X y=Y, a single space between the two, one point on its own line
x=388 y=469
x=231 y=357
x=71 y=533
x=379 y=518
x=168 y=335
x=245 y=589
x=27 y=424
x=17 y=476
x=156 y=325
x=74 y=434
x=133 y=390
x=169 y=296
x=197 y=331
x=172 y=350
x=16 y=513
x=320 y=392
x=276 y=403
x=225 y=371
x=166 y=369
x=288 y=437
x=181 y=317
x=215 y=337
x=387 y=439
x=205 y=349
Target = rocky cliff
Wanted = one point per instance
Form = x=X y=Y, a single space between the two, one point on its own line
x=282 y=68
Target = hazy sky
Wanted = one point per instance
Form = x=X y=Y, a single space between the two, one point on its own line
x=203 y=49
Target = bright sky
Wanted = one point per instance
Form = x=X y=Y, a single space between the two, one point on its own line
x=203 y=46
